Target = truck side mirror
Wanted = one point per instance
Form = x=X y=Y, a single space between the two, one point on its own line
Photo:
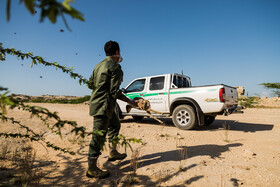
x=123 y=90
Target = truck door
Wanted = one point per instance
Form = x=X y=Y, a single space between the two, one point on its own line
x=157 y=93
x=135 y=89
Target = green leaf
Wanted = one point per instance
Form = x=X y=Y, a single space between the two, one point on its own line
x=8 y=7
x=30 y=5
x=66 y=5
x=4 y=101
x=31 y=65
x=3 y=89
x=52 y=15
x=76 y=14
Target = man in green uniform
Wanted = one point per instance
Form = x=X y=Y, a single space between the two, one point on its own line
x=105 y=83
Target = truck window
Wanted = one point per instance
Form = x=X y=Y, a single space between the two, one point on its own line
x=174 y=85
x=157 y=83
x=136 y=86
x=180 y=82
x=185 y=85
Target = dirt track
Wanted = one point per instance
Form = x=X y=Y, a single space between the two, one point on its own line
x=248 y=154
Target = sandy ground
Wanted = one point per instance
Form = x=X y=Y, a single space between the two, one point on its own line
x=248 y=154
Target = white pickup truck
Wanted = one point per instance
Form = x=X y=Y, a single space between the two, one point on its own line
x=173 y=95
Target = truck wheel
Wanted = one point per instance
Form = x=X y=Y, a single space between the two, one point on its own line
x=183 y=117
x=138 y=118
x=208 y=120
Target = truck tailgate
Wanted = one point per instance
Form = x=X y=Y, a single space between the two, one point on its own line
x=231 y=96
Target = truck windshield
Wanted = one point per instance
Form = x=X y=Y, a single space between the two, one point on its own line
x=136 y=86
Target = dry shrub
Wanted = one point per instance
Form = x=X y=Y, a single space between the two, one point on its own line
x=20 y=159
x=182 y=153
x=5 y=149
x=134 y=164
x=226 y=129
x=162 y=175
x=135 y=159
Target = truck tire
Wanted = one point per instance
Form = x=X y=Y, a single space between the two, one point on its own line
x=208 y=120
x=138 y=118
x=183 y=117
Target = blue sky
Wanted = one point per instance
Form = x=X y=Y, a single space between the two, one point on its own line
x=233 y=42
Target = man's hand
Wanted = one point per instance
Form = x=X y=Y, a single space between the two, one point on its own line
x=133 y=103
x=143 y=104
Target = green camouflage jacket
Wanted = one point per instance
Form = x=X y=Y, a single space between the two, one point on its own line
x=105 y=83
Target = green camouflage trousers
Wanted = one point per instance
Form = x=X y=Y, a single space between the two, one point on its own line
x=110 y=126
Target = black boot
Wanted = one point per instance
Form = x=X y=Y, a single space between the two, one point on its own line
x=93 y=171
x=114 y=154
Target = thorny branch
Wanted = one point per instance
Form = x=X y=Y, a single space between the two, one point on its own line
x=42 y=113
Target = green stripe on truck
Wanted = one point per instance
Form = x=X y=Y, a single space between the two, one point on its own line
x=143 y=94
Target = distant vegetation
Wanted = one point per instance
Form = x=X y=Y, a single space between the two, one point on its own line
x=274 y=86
x=249 y=102
x=67 y=101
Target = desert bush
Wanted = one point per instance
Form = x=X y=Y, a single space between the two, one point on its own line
x=25 y=162
x=135 y=161
x=248 y=102
x=130 y=179
x=5 y=149
x=20 y=159
x=275 y=87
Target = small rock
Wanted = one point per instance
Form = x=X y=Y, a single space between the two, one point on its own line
x=204 y=163
x=180 y=137
x=249 y=153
